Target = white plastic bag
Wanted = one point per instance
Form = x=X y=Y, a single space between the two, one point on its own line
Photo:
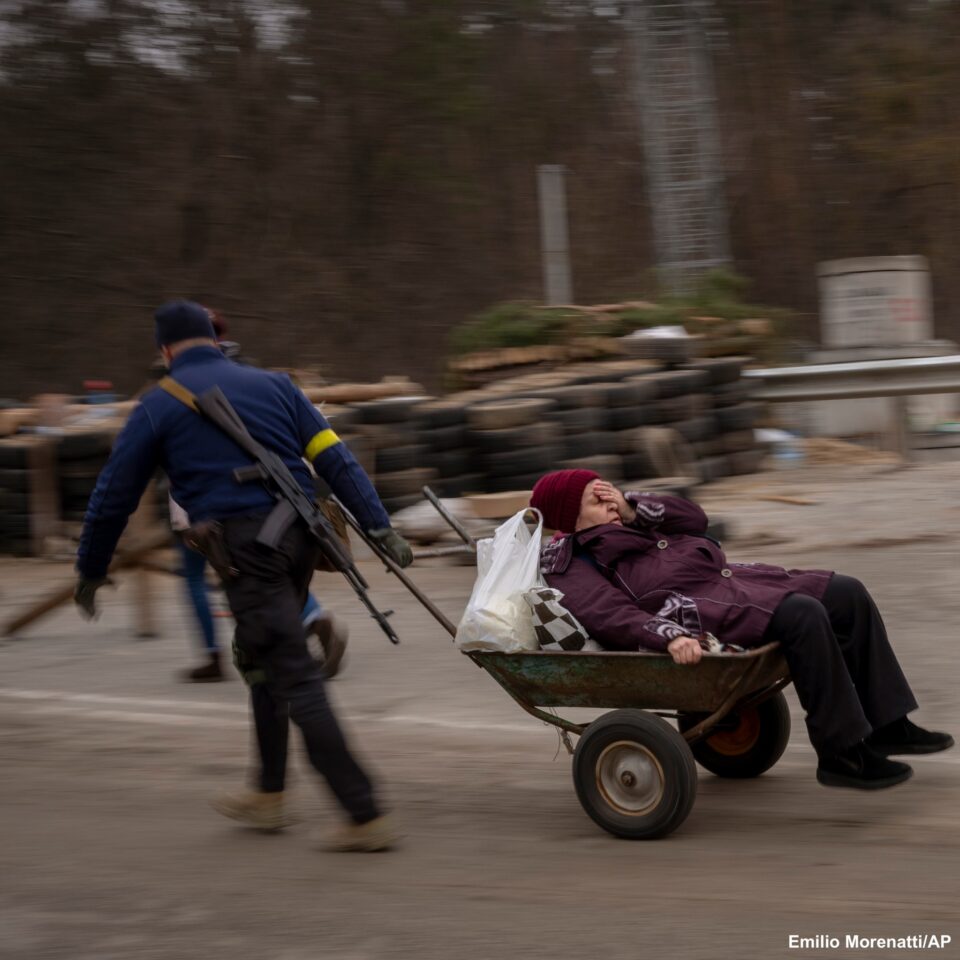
x=508 y=564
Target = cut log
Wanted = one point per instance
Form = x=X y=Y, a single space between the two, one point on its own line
x=358 y=392
x=497 y=506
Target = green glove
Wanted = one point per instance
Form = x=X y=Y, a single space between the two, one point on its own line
x=84 y=595
x=393 y=545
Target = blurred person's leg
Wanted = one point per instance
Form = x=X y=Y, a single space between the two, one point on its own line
x=330 y=633
x=312 y=609
x=194 y=567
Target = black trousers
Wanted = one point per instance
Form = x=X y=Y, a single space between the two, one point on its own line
x=843 y=667
x=266 y=599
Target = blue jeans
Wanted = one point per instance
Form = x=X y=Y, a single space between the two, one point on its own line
x=312 y=610
x=194 y=571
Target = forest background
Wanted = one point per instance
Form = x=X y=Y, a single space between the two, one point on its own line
x=348 y=179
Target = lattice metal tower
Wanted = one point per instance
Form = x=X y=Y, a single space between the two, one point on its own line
x=676 y=99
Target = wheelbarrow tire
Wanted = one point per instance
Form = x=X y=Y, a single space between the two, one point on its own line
x=634 y=775
x=749 y=749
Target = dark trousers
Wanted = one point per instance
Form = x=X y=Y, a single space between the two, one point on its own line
x=845 y=672
x=267 y=598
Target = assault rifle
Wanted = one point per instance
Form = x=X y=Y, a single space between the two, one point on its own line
x=292 y=502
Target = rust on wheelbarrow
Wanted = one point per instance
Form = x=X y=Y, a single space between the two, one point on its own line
x=646 y=681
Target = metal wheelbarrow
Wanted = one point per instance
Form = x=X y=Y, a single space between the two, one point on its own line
x=634 y=773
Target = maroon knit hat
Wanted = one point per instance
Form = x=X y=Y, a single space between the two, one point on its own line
x=557 y=496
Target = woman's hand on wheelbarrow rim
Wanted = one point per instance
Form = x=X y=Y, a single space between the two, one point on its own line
x=685 y=650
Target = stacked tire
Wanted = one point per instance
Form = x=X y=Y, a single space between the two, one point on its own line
x=14 y=498
x=671 y=351
x=634 y=420
x=731 y=448
x=399 y=471
x=514 y=441
x=441 y=430
x=580 y=433
x=80 y=458
x=638 y=404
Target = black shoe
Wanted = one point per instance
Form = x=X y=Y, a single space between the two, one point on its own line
x=859 y=767
x=904 y=736
x=210 y=672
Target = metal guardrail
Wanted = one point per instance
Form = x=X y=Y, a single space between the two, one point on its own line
x=898 y=379
x=863 y=378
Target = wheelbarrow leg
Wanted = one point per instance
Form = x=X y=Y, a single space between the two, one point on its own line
x=732 y=700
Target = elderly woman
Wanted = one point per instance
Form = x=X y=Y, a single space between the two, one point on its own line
x=639 y=571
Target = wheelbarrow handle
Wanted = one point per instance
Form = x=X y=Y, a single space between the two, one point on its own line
x=450 y=518
x=396 y=570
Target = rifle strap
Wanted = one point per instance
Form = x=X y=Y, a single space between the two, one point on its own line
x=280 y=517
x=178 y=390
x=283 y=514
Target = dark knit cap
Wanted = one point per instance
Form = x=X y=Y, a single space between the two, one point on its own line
x=557 y=496
x=182 y=320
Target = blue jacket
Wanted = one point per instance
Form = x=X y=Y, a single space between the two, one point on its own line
x=199 y=459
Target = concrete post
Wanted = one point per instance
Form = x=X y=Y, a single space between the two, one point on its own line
x=554 y=239
x=900 y=428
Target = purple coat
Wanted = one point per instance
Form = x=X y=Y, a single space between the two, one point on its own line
x=657 y=578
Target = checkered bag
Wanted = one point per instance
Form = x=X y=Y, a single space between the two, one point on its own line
x=710 y=644
x=555 y=626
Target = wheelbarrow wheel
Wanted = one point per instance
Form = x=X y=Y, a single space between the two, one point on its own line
x=634 y=775
x=747 y=742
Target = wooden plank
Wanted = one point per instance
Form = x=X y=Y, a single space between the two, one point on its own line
x=359 y=392
x=12 y=419
x=64 y=592
x=142 y=523
x=498 y=506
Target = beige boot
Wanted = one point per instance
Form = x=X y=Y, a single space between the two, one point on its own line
x=377 y=834
x=262 y=811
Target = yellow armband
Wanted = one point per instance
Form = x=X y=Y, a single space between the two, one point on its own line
x=320 y=442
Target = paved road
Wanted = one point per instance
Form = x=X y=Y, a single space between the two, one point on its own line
x=110 y=852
